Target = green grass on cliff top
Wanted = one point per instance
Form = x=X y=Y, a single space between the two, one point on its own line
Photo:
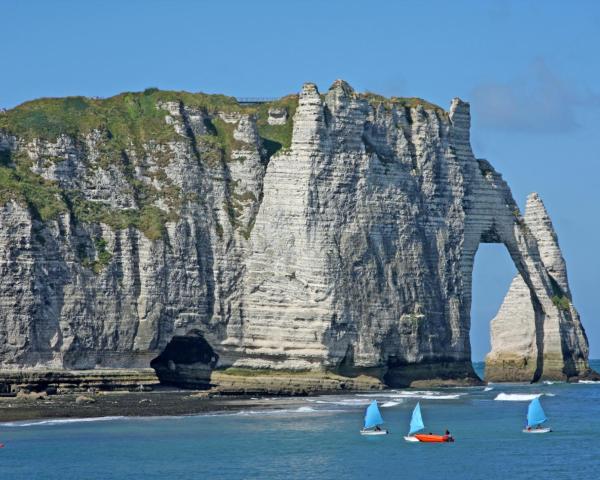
x=132 y=119
x=127 y=123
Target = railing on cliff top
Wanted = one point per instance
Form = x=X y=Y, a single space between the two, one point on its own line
x=255 y=99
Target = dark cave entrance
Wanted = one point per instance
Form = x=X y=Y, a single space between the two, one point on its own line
x=187 y=362
x=493 y=272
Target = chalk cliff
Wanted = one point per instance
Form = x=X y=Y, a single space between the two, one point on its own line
x=325 y=233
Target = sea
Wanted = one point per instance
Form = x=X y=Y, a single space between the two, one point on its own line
x=320 y=440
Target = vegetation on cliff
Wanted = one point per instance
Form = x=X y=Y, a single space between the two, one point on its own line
x=132 y=126
x=128 y=124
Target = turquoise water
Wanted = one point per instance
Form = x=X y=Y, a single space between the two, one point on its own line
x=320 y=440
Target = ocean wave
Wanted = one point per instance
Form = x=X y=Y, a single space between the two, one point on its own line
x=427 y=395
x=517 y=397
x=351 y=402
x=387 y=394
x=60 y=421
x=417 y=394
x=589 y=382
x=281 y=411
x=390 y=404
x=305 y=409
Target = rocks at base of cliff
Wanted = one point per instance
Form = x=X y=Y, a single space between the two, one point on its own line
x=431 y=375
x=67 y=381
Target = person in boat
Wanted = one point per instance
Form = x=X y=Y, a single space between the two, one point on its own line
x=377 y=429
x=447 y=433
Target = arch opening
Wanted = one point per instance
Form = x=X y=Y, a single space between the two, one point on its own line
x=187 y=361
x=493 y=272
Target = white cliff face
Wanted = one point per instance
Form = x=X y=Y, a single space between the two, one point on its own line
x=350 y=251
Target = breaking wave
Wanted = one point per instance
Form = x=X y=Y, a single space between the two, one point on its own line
x=60 y=421
x=417 y=394
x=350 y=402
x=517 y=397
x=426 y=395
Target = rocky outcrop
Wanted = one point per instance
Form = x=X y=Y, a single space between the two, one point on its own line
x=532 y=339
x=327 y=233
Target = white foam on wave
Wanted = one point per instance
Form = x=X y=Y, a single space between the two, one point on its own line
x=60 y=421
x=427 y=395
x=417 y=394
x=350 y=402
x=282 y=411
x=305 y=409
x=488 y=389
x=387 y=394
x=517 y=397
x=390 y=404
x=589 y=382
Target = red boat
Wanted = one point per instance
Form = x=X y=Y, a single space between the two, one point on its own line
x=430 y=438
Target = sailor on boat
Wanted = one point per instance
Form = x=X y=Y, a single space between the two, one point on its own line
x=373 y=420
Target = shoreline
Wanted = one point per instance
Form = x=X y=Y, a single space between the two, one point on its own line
x=158 y=403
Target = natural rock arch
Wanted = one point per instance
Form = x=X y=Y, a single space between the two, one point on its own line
x=537 y=332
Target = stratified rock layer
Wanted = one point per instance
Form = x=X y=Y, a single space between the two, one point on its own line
x=323 y=233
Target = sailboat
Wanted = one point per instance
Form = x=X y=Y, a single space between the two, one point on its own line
x=535 y=418
x=373 y=419
x=416 y=424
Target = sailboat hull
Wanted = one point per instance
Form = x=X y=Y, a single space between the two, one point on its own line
x=410 y=438
x=537 y=430
x=373 y=432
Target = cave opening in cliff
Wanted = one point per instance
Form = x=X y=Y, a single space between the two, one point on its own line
x=186 y=361
x=493 y=271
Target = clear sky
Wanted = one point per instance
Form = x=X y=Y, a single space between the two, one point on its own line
x=530 y=69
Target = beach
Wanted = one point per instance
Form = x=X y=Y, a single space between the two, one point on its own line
x=160 y=402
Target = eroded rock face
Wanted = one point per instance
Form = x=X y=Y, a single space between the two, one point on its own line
x=531 y=337
x=349 y=250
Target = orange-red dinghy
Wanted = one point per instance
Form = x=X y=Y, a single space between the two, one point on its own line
x=434 y=438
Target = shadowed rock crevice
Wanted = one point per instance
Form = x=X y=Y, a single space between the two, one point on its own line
x=187 y=361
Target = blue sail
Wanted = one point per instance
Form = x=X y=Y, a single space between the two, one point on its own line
x=416 y=422
x=372 y=416
x=535 y=413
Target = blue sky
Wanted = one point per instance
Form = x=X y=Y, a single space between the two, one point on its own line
x=529 y=69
